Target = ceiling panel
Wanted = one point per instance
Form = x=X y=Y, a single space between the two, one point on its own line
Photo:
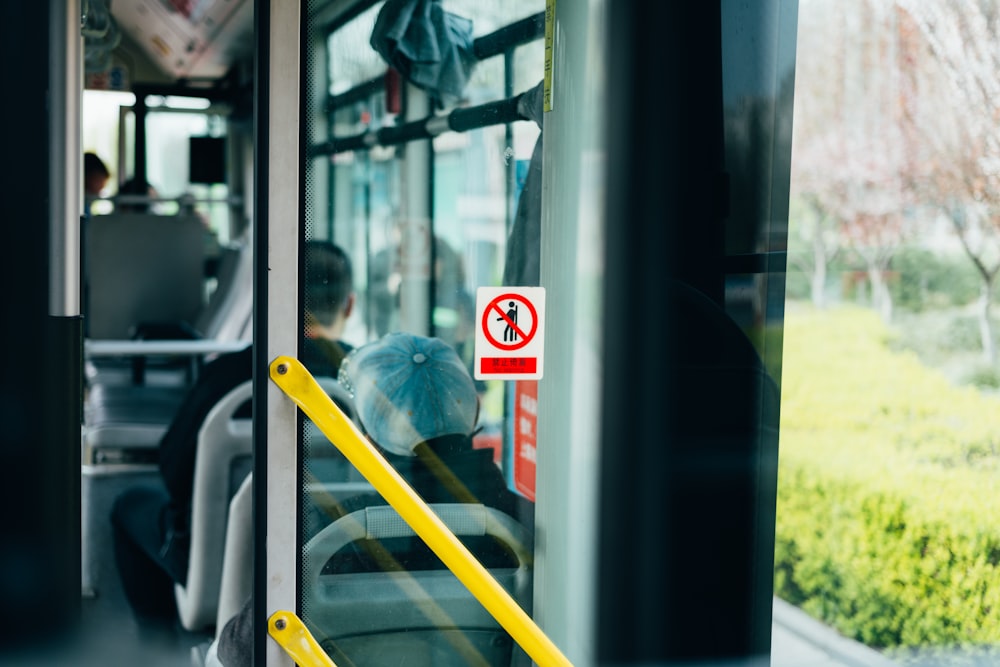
x=189 y=39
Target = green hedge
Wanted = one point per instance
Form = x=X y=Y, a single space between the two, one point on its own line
x=888 y=521
x=926 y=280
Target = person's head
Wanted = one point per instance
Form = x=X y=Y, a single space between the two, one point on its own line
x=410 y=389
x=135 y=187
x=329 y=290
x=95 y=175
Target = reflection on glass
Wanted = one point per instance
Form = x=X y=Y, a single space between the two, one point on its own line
x=351 y=58
x=885 y=528
x=168 y=167
x=376 y=595
x=490 y=15
x=383 y=598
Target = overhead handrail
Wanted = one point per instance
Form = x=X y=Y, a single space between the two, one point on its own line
x=499 y=41
x=182 y=199
x=140 y=348
x=299 y=385
x=499 y=112
x=358 y=93
x=516 y=34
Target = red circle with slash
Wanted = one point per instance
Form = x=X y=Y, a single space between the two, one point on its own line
x=525 y=337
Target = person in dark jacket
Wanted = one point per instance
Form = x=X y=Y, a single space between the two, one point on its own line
x=151 y=523
x=418 y=405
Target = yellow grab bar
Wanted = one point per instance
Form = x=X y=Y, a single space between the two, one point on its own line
x=300 y=386
x=292 y=635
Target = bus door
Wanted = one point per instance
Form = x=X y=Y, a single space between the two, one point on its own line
x=523 y=181
x=421 y=178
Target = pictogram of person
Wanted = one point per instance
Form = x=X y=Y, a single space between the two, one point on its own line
x=511 y=319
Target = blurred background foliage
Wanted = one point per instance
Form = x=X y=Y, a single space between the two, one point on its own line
x=888 y=487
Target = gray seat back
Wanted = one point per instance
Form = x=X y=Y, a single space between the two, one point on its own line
x=218 y=579
x=142 y=268
x=230 y=307
x=223 y=442
x=418 y=618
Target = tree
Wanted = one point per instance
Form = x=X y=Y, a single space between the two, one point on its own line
x=847 y=149
x=952 y=106
x=815 y=245
x=814 y=230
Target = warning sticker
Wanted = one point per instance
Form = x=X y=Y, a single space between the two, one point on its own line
x=509 y=333
x=525 y=436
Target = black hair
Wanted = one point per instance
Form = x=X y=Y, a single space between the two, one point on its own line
x=94 y=165
x=329 y=281
x=137 y=187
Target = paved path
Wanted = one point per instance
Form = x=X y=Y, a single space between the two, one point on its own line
x=798 y=640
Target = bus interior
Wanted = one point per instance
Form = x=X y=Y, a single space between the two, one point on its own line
x=652 y=220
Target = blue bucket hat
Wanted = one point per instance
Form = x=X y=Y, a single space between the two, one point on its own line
x=408 y=389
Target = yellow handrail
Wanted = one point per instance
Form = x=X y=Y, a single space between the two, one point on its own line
x=292 y=635
x=300 y=386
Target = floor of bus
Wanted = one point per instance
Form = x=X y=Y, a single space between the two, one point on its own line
x=110 y=635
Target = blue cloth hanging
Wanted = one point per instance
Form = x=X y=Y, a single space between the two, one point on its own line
x=431 y=48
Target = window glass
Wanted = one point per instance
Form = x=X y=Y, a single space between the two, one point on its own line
x=490 y=15
x=100 y=133
x=422 y=224
x=351 y=57
x=885 y=498
x=168 y=165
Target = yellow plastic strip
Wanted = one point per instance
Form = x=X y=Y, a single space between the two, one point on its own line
x=550 y=40
x=299 y=385
x=292 y=635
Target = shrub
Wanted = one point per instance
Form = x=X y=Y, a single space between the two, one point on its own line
x=984 y=377
x=924 y=279
x=887 y=504
x=880 y=570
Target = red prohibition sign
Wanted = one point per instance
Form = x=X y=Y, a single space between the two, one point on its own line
x=492 y=307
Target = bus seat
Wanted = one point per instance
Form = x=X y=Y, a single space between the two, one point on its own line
x=419 y=617
x=333 y=473
x=231 y=306
x=227 y=277
x=124 y=421
x=142 y=268
x=237 y=559
x=120 y=429
x=221 y=463
x=225 y=318
x=218 y=560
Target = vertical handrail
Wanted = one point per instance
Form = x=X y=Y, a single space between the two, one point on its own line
x=65 y=99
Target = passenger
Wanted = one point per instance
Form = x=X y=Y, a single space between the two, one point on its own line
x=95 y=175
x=95 y=178
x=418 y=405
x=151 y=524
x=134 y=188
